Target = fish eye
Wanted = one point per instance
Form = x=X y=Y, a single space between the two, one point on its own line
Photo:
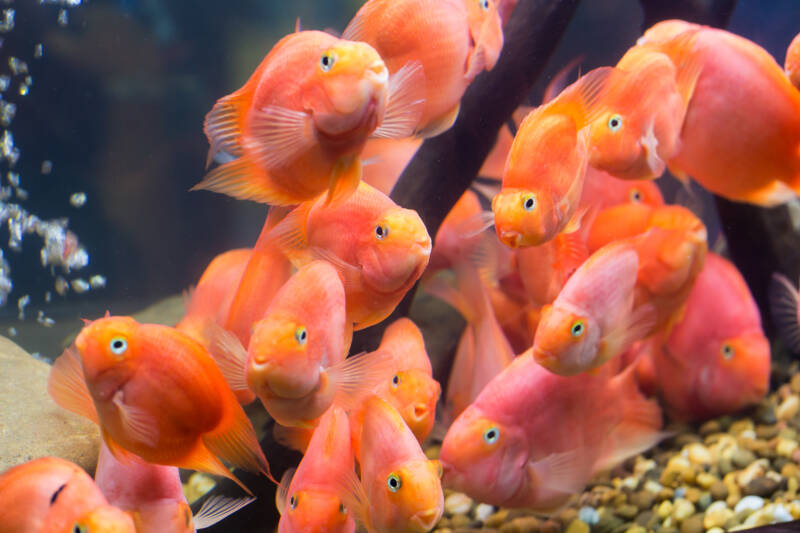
x=615 y=123
x=635 y=196
x=528 y=202
x=727 y=351
x=293 y=501
x=301 y=335
x=326 y=61
x=491 y=435
x=78 y=528
x=484 y=4
x=118 y=345
x=577 y=329
x=381 y=231
x=342 y=508
x=395 y=381
x=393 y=482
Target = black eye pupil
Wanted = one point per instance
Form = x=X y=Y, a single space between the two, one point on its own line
x=395 y=380
x=117 y=345
x=325 y=60
x=491 y=434
x=614 y=123
x=393 y=482
x=379 y=231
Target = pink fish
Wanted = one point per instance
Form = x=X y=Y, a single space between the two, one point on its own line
x=716 y=360
x=532 y=438
x=308 y=498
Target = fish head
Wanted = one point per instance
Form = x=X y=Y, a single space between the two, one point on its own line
x=524 y=217
x=623 y=147
x=105 y=519
x=483 y=457
x=108 y=344
x=486 y=29
x=566 y=341
x=315 y=509
x=355 y=83
x=736 y=374
x=644 y=192
x=414 y=394
x=396 y=250
x=792 y=62
x=408 y=497
x=284 y=356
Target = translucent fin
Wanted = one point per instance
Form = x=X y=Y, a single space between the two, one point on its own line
x=279 y=136
x=120 y=454
x=354 y=497
x=563 y=472
x=574 y=223
x=203 y=459
x=140 y=425
x=571 y=253
x=218 y=508
x=636 y=326
x=783 y=305
x=357 y=375
x=243 y=180
x=289 y=235
x=235 y=441
x=350 y=274
x=66 y=385
x=475 y=224
x=223 y=126
x=355 y=29
x=559 y=80
x=689 y=65
x=282 y=494
x=476 y=62
x=228 y=353
x=650 y=144
x=441 y=124
x=589 y=90
x=488 y=191
x=345 y=178
x=406 y=101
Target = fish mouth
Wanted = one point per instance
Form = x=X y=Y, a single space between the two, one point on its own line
x=420 y=410
x=545 y=359
x=511 y=238
x=425 y=520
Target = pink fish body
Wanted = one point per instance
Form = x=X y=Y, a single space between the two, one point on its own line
x=533 y=438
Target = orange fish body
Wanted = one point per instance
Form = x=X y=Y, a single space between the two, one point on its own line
x=594 y=317
x=399 y=490
x=740 y=89
x=156 y=393
x=297 y=126
x=460 y=233
x=454 y=40
x=52 y=495
x=301 y=335
x=710 y=367
x=497 y=453
x=544 y=172
x=407 y=383
x=602 y=190
x=643 y=112
x=379 y=248
x=544 y=269
x=308 y=499
x=792 y=63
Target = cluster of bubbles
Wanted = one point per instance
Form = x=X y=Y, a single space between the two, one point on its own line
x=61 y=252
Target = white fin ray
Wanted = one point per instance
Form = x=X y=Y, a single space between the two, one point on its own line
x=406 y=100
x=138 y=423
x=228 y=353
x=783 y=301
x=278 y=136
x=67 y=386
x=282 y=493
x=217 y=508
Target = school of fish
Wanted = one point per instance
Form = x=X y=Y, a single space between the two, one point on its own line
x=585 y=306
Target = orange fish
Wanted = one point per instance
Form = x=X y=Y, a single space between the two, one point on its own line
x=454 y=40
x=157 y=394
x=716 y=360
x=740 y=89
x=643 y=112
x=379 y=248
x=49 y=495
x=594 y=317
x=308 y=498
x=498 y=453
x=399 y=490
x=602 y=190
x=153 y=496
x=544 y=269
x=544 y=172
x=792 y=63
x=297 y=127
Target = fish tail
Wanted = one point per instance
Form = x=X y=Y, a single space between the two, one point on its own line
x=205 y=460
x=234 y=440
x=244 y=180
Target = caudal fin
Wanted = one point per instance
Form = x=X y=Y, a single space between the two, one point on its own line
x=783 y=304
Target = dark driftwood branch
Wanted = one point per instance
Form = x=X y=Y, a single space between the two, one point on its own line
x=444 y=166
x=711 y=12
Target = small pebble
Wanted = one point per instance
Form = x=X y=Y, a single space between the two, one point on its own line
x=628 y=511
x=786 y=447
x=750 y=503
x=647 y=519
x=681 y=510
x=742 y=458
x=781 y=514
x=719 y=491
x=754 y=470
x=636 y=529
x=589 y=515
x=698 y=454
x=523 y=524
x=709 y=428
x=767 y=432
x=642 y=499
x=482 y=512
x=497 y=519
x=794 y=384
x=693 y=524
x=761 y=486
x=577 y=526
x=550 y=526
x=459 y=520
x=739 y=426
x=715 y=530
x=704 y=480
x=457 y=503
x=717 y=517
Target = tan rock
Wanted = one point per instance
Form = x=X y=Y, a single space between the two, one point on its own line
x=31 y=424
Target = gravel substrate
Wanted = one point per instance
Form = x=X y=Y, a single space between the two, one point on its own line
x=730 y=473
